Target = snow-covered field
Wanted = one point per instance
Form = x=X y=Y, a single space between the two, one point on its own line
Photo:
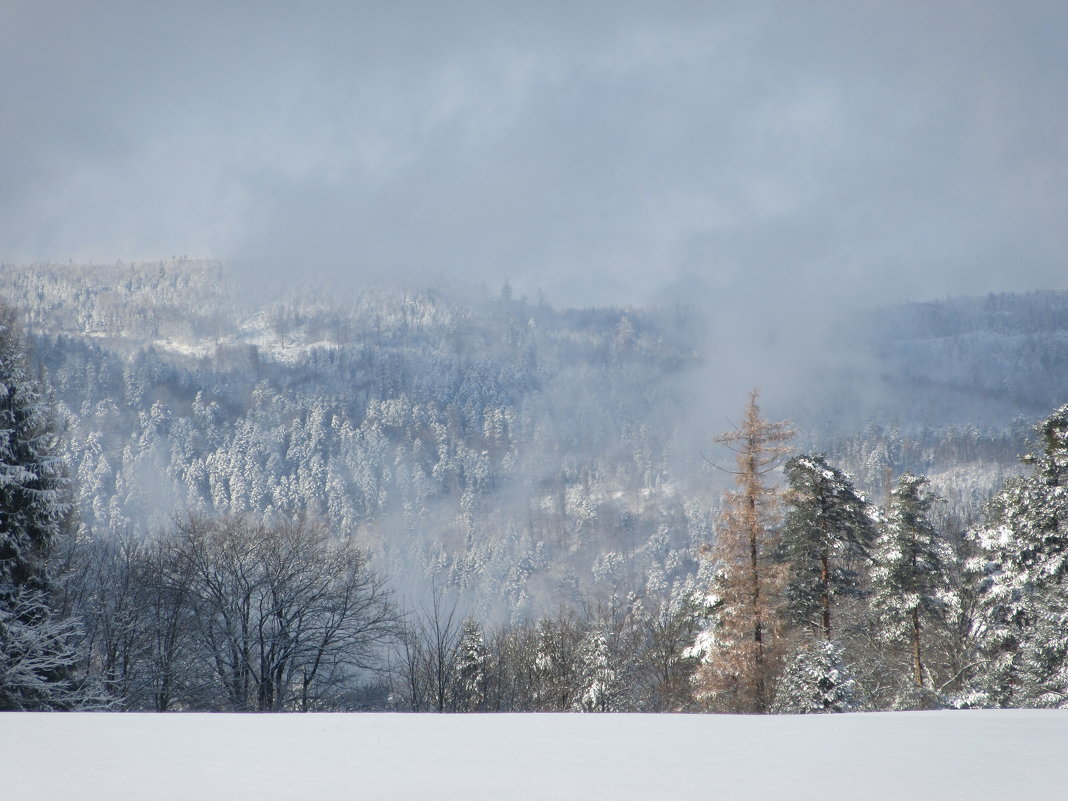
x=913 y=756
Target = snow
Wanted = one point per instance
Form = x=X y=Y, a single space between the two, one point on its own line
x=974 y=755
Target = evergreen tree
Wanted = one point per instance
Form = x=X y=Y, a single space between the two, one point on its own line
x=557 y=661
x=471 y=658
x=911 y=584
x=815 y=680
x=1045 y=657
x=825 y=537
x=671 y=654
x=1024 y=588
x=742 y=652
x=36 y=655
x=600 y=685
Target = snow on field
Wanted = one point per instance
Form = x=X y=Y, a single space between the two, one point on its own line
x=912 y=755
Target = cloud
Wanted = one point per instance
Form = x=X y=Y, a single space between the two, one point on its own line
x=798 y=158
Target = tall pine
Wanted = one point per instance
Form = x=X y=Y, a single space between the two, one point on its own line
x=36 y=655
x=825 y=539
x=1023 y=546
x=599 y=681
x=911 y=574
x=471 y=664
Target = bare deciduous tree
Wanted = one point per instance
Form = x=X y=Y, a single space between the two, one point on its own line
x=226 y=613
x=287 y=613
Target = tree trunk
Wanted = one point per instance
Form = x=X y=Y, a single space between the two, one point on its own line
x=917 y=664
x=825 y=581
x=758 y=623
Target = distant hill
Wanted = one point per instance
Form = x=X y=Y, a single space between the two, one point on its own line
x=522 y=453
x=990 y=357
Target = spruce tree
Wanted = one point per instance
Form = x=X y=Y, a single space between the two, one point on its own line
x=471 y=663
x=36 y=655
x=911 y=584
x=1023 y=562
x=816 y=679
x=825 y=538
x=599 y=682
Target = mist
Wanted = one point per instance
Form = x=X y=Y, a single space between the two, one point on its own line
x=774 y=165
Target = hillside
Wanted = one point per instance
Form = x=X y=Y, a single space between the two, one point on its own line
x=525 y=454
x=964 y=361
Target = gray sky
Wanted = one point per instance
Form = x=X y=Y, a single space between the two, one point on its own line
x=751 y=154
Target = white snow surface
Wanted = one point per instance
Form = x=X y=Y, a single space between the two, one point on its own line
x=973 y=755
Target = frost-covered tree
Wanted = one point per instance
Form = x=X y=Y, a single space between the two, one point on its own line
x=825 y=537
x=1023 y=559
x=36 y=655
x=1045 y=658
x=557 y=661
x=816 y=679
x=671 y=654
x=911 y=572
x=471 y=668
x=599 y=682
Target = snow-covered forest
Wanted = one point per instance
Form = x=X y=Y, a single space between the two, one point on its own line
x=435 y=500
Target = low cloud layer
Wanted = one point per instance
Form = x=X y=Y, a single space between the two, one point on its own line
x=772 y=160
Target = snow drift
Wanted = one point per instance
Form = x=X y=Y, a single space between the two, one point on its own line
x=971 y=755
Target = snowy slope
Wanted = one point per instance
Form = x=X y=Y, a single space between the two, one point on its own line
x=940 y=755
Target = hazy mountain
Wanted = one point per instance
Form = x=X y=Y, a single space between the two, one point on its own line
x=524 y=453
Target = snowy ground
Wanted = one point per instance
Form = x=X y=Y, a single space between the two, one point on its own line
x=912 y=756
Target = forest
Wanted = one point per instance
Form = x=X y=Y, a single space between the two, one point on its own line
x=427 y=500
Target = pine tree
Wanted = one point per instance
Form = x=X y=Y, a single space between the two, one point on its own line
x=825 y=536
x=557 y=661
x=815 y=680
x=600 y=686
x=1023 y=561
x=36 y=655
x=911 y=584
x=471 y=659
x=742 y=654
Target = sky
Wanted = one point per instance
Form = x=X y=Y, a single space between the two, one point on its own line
x=757 y=156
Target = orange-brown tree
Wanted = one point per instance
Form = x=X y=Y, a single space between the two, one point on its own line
x=743 y=652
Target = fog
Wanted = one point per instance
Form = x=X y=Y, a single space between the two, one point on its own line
x=772 y=162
